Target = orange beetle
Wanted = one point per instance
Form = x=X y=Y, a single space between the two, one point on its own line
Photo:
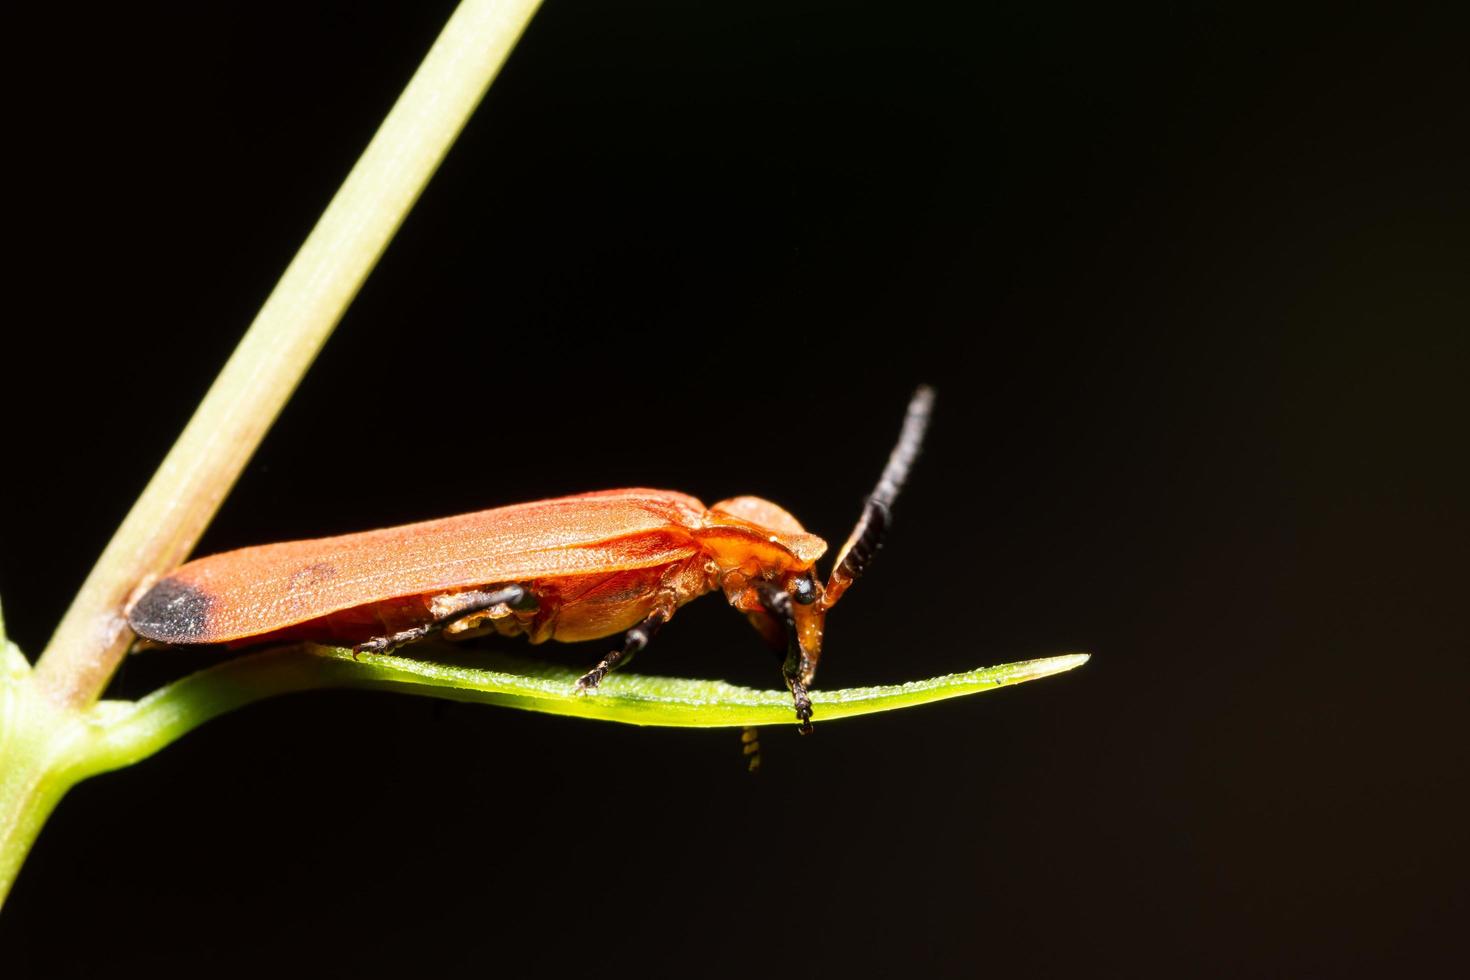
x=572 y=568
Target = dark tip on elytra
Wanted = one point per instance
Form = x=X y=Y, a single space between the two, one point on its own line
x=172 y=612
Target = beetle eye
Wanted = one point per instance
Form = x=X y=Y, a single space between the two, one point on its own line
x=804 y=591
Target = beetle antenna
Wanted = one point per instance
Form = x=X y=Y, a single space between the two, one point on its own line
x=867 y=537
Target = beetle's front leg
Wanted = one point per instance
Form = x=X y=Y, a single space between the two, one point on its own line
x=777 y=602
x=634 y=640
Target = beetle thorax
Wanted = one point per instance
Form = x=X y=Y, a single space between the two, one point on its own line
x=757 y=537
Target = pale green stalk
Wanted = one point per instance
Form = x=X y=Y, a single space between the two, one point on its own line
x=163 y=526
x=49 y=719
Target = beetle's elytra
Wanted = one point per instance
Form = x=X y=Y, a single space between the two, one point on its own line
x=572 y=568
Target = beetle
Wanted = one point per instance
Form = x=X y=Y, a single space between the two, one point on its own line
x=571 y=568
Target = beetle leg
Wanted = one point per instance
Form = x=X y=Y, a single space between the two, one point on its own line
x=385 y=644
x=457 y=605
x=453 y=609
x=634 y=640
x=750 y=741
x=778 y=604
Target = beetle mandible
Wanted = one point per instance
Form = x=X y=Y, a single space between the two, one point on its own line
x=571 y=568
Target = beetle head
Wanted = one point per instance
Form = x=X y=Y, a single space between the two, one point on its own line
x=810 y=616
x=766 y=561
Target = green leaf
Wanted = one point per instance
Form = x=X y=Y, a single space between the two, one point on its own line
x=135 y=730
x=641 y=699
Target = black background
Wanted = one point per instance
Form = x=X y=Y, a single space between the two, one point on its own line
x=1190 y=281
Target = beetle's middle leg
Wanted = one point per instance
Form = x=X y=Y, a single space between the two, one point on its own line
x=633 y=641
x=450 y=610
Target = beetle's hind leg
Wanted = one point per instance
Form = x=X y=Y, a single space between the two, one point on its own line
x=386 y=644
x=449 y=610
x=634 y=640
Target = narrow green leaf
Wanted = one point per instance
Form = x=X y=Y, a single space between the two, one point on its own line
x=642 y=699
x=131 y=731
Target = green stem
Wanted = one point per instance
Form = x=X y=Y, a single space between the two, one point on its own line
x=166 y=522
x=39 y=743
x=52 y=730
